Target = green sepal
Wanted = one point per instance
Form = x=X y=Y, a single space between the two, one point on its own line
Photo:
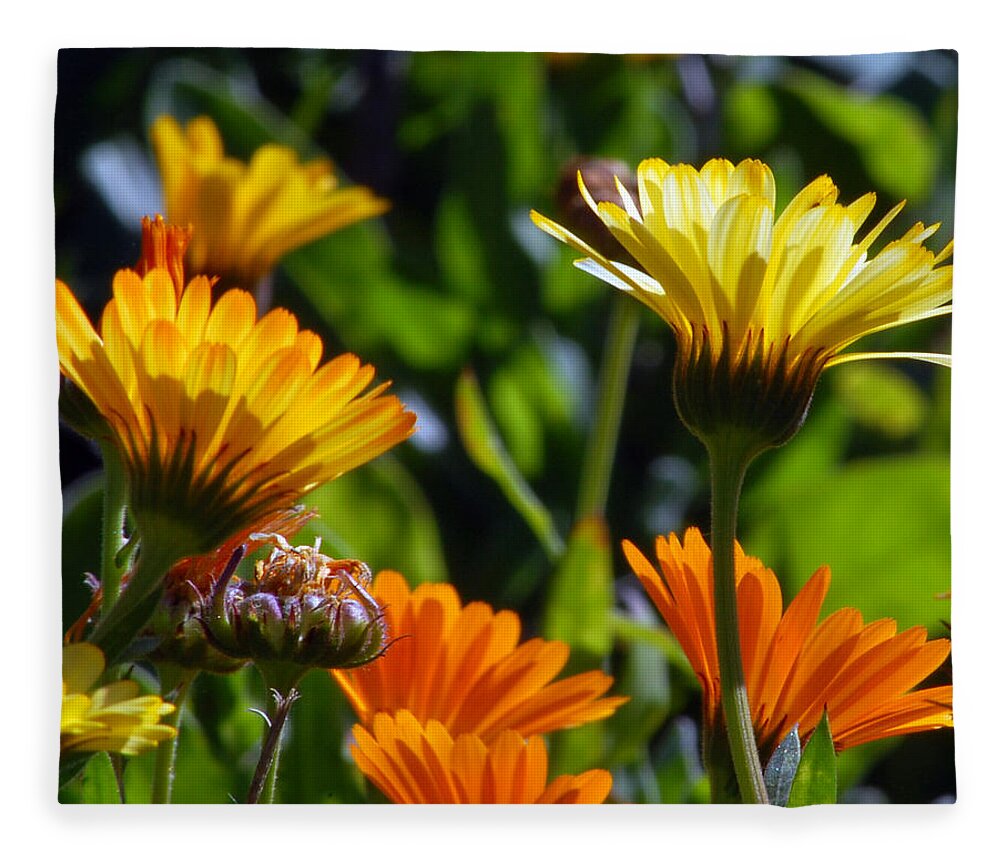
x=816 y=781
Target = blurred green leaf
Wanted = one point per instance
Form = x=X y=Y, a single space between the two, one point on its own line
x=486 y=450
x=518 y=420
x=581 y=596
x=816 y=780
x=644 y=677
x=679 y=773
x=347 y=278
x=186 y=88
x=380 y=513
x=877 y=517
x=527 y=393
x=460 y=250
x=81 y=542
x=579 y=749
x=895 y=142
x=512 y=84
x=630 y=631
x=750 y=117
x=782 y=767
x=881 y=397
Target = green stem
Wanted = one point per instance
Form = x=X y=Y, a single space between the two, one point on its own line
x=729 y=457
x=112 y=523
x=166 y=752
x=134 y=607
x=266 y=775
x=617 y=359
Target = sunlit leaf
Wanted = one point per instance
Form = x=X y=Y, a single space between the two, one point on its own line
x=581 y=595
x=379 y=514
x=881 y=397
x=816 y=780
x=884 y=526
x=893 y=139
x=750 y=116
x=487 y=451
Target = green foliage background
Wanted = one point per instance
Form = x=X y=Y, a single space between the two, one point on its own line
x=455 y=278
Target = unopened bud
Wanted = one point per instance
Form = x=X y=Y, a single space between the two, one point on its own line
x=163 y=247
x=599 y=176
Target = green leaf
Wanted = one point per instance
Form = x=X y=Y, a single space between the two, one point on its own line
x=581 y=596
x=99 y=783
x=677 y=763
x=782 y=767
x=347 y=278
x=895 y=142
x=881 y=397
x=645 y=678
x=816 y=781
x=487 y=451
x=750 y=116
x=379 y=514
x=81 y=542
x=885 y=525
x=186 y=88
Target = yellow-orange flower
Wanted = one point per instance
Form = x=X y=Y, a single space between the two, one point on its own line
x=112 y=718
x=463 y=667
x=220 y=418
x=247 y=216
x=862 y=674
x=759 y=305
x=414 y=763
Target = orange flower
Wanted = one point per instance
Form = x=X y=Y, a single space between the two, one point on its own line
x=462 y=667
x=861 y=673
x=412 y=763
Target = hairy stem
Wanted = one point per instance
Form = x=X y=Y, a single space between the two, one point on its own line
x=166 y=752
x=267 y=765
x=729 y=458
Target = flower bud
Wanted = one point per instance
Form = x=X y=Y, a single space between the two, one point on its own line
x=302 y=609
x=599 y=176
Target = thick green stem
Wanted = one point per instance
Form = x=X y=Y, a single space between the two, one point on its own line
x=266 y=775
x=112 y=523
x=595 y=477
x=729 y=456
x=166 y=752
x=134 y=607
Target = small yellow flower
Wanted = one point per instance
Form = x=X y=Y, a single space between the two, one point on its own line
x=113 y=718
x=246 y=217
x=220 y=418
x=759 y=305
x=414 y=763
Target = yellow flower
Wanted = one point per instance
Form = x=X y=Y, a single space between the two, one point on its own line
x=247 y=216
x=861 y=674
x=759 y=305
x=220 y=418
x=113 y=718
x=463 y=667
x=414 y=763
